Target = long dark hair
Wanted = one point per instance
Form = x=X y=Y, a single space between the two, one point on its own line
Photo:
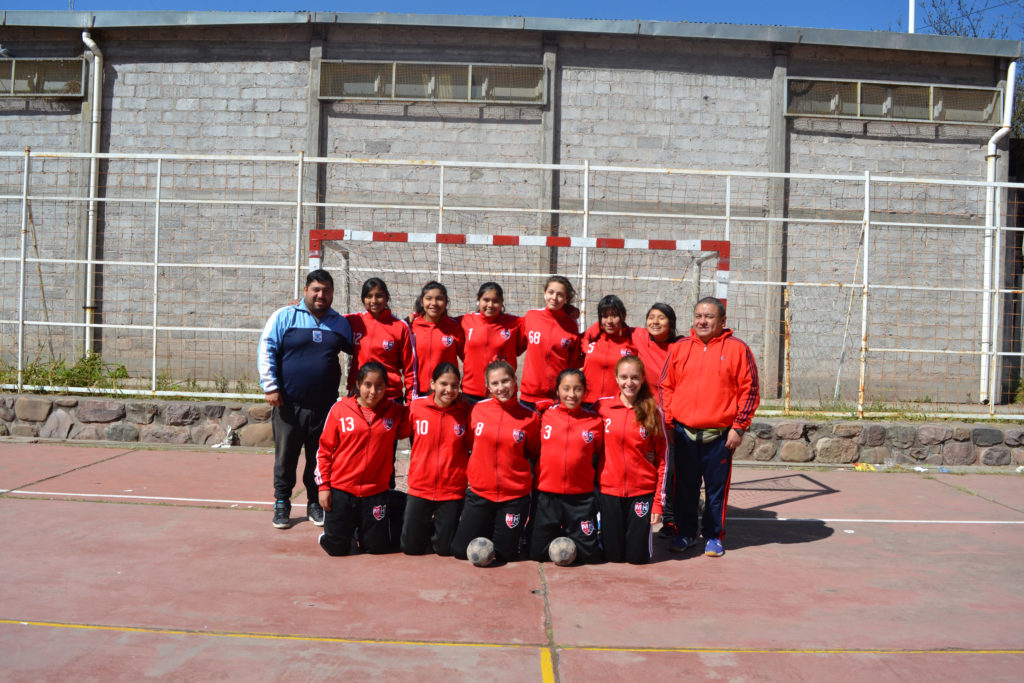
x=670 y=313
x=370 y=367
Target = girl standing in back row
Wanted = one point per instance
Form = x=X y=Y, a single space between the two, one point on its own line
x=437 y=338
x=379 y=336
x=491 y=334
x=552 y=340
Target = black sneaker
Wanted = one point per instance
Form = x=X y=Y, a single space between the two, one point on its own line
x=315 y=513
x=282 y=514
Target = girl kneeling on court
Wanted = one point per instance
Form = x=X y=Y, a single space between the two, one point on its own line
x=506 y=437
x=437 y=467
x=631 y=469
x=570 y=441
x=355 y=462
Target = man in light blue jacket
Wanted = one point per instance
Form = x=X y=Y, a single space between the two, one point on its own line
x=300 y=373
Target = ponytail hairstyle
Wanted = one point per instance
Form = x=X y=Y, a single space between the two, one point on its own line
x=373 y=283
x=568 y=372
x=370 y=367
x=443 y=369
x=492 y=287
x=433 y=284
x=645 y=408
x=570 y=291
x=496 y=365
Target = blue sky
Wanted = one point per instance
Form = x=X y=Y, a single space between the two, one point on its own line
x=881 y=15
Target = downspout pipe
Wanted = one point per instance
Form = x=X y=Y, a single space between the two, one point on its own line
x=96 y=101
x=990 y=223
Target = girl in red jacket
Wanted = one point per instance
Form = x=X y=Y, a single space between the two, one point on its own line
x=379 y=336
x=552 y=341
x=437 y=338
x=650 y=341
x=437 y=468
x=506 y=436
x=355 y=461
x=491 y=334
x=570 y=441
x=631 y=470
x=612 y=342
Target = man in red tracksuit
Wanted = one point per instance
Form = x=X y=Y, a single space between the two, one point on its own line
x=710 y=392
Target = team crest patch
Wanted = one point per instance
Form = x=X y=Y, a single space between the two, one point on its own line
x=566 y=343
x=459 y=430
x=518 y=435
x=625 y=352
x=587 y=436
x=588 y=527
x=318 y=336
x=641 y=508
x=643 y=433
x=506 y=334
x=379 y=511
x=388 y=344
x=511 y=520
x=388 y=423
x=447 y=340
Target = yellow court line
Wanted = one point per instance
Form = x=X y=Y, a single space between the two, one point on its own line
x=547 y=664
x=266 y=636
x=547 y=668
x=791 y=651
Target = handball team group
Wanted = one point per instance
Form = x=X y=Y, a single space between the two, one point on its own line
x=610 y=431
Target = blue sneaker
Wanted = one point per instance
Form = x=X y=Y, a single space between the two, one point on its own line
x=714 y=548
x=680 y=543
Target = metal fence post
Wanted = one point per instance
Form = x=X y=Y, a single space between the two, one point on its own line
x=156 y=268
x=864 y=296
x=440 y=220
x=586 y=228
x=298 y=224
x=997 y=286
x=21 y=271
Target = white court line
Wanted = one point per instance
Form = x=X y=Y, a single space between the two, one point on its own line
x=121 y=495
x=837 y=520
x=831 y=520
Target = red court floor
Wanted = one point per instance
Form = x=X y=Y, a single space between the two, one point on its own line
x=120 y=564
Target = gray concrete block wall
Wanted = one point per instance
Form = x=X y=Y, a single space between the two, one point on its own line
x=635 y=102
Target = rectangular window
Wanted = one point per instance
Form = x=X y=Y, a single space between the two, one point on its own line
x=42 y=77
x=433 y=82
x=892 y=101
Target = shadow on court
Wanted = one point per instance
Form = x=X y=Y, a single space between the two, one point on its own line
x=122 y=564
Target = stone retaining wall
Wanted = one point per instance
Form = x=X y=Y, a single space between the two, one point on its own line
x=104 y=419
x=776 y=440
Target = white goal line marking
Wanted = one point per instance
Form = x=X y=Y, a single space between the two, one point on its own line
x=832 y=520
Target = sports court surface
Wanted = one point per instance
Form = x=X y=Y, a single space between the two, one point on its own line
x=123 y=564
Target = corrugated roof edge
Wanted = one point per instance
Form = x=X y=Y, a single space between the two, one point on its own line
x=885 y=40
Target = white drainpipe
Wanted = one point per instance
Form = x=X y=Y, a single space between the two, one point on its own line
x=990 y=222
x=94 y=181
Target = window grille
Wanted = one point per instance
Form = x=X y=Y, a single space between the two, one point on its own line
x=892 y=101
x=42 y=77
x=433 y=82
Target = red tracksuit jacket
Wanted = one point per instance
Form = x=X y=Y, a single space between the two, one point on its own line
x=712 y=385
x=506 y=437
x=570 y=442
x=651 y=352
x=387 y=341
x=633 y=461
x=552 y=345
x=498 y=338
x=602 y=353
x=434 y=344
x=440 y=449
x=357 y=457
